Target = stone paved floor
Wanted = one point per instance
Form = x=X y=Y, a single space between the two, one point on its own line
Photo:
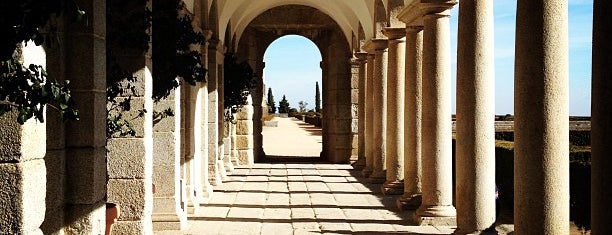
x=307 y=198
x=301 y=199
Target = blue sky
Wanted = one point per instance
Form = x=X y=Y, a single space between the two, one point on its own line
x=292 y=62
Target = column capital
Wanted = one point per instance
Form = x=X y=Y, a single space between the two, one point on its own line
x=413 y=29
x=367 y=46
x=379 y=44
x=411 y=14
x=361 y=56
x=437 y=8
x=394 y=33
x=207 y=33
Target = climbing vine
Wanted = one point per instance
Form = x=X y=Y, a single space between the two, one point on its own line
x=26 y=88
x=174 y=37
x=238 y=81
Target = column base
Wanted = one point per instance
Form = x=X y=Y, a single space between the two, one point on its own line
x=366 y=172
x=409 y=202
x=359 y=164
x=436 y=215
x=377 y=177
x=392 y=188
x=168 y=222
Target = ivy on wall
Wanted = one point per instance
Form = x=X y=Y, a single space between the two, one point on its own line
x=238 y=81
x=26 y=88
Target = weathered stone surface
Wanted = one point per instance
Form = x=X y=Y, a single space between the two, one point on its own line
x=165 y=124
x=22 y=197
x=85 y=175
x=131 y=195
x=21 y=142
x=137 y=103
x=86 y=218
x=126 y=158
x=92 y=118
x=244 y=127
x=164 y=144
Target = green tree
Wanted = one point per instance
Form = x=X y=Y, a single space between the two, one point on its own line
x=271 y=103
x=283 y=106
x=302 y=105
x=317 y=99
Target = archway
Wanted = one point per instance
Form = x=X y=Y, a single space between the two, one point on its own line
x=335 y=51
x=293 y=72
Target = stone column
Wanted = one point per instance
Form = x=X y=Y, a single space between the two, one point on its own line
x=437 y=205
x=130 y=158
x=541 y=126
x=214 y=172
x=475 y=126
x=601 y=121
x=22 y=166
x=379 y=92
x=244 y=133
x=354 y=109
x=361 y=157
x=411 y=199
x=167 y=211
x=394 y=143
x=369 y=115
x=85 y=163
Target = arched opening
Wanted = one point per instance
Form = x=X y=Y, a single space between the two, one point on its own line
x=336 y=102
x=292 y=73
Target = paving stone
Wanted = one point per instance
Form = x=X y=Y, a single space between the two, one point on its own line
x=255 y=186
x=323 y=199
x=240 y=212
x=250 y=198
x=362 y=214
x=329 y=213
x=223 y=198
x=371 y=227
x=297 y=186
x=277 y=199
x=341 y=187
x=239 y=228
x=307 y=226
x=299 y=199
x=277 y=213
x=276 y=229
x=330 y=227
x=302 y=213
x=214 y=212
x=317 y=187
x=277 y=187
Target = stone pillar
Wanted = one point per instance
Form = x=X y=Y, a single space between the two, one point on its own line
x=244 y=133
x=22 y=166
x=167 y=211
x=130 y=159
x=227 y=146
x=361 y=157
x=85 y=192
x=541 y=126
x=475 y=124
x=379 y=92
x=369 y=114
x=394 y=143
x=214 y=172
x=233 y=134
x=437 y=205
x=601 y=120
x=411 y=199
x=354 y=110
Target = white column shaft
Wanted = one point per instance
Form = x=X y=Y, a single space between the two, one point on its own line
x=475 y=118
x=541 y=167
x=436 y=125
x=369 y=113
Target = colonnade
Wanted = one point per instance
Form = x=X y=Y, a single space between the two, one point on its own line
x=419 y=144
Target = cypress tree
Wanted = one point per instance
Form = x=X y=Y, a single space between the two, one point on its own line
x=317 y=99
x=271 y=103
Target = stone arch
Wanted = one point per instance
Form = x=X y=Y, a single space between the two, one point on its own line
x=394 y=7
x=213 y=19
x=336 y=74
x=380 y=19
